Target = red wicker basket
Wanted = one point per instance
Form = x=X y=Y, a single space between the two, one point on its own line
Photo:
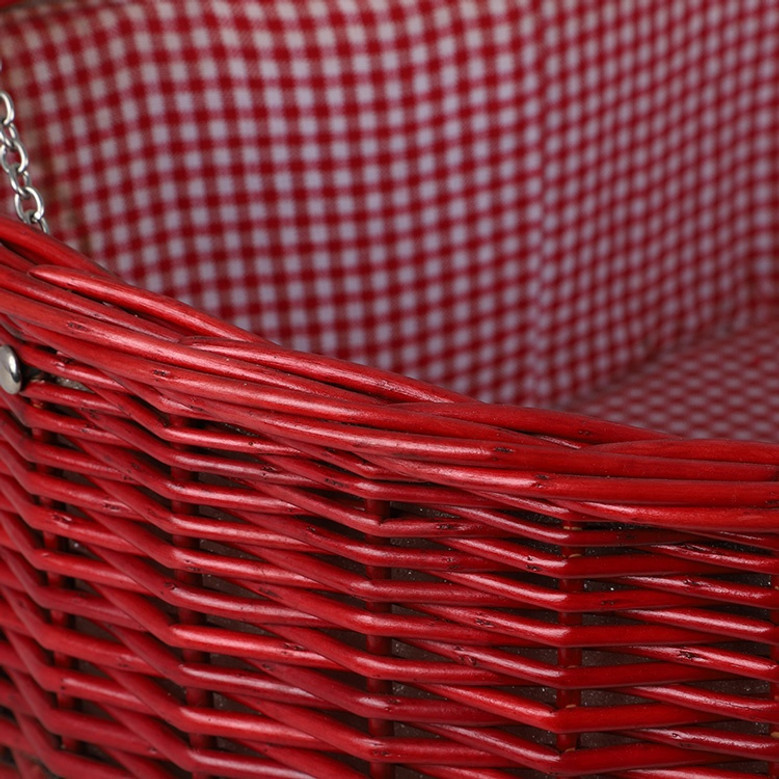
x=226 y=556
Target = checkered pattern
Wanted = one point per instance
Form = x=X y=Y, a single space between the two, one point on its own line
x=722 y=388
x=518 y=200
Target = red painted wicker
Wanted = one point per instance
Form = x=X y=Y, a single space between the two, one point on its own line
x=220 y=557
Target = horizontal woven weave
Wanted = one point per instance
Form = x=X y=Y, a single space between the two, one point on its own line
x=221 y=558
x=224 y=559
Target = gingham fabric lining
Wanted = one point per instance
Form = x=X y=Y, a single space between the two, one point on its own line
x=724 y=388
x=517 y=200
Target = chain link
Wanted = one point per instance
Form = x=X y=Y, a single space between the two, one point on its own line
x=14 y=160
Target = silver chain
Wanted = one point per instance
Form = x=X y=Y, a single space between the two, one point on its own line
x=28 y=201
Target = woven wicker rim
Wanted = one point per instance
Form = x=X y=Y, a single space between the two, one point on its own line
x=182 y=360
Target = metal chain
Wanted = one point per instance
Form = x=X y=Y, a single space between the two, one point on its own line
x=28 y=201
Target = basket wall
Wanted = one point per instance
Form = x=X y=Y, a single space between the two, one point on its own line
x=223 y=558
x=220 y=558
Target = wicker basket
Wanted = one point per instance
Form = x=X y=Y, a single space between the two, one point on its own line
x=224 y=557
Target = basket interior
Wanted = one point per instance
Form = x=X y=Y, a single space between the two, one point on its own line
x=549 y=204
x=523 y=205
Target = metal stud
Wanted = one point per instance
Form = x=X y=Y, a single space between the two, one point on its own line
x=10 y=371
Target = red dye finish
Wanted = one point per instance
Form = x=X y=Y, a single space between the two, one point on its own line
x=225 y=554
x=262 y=573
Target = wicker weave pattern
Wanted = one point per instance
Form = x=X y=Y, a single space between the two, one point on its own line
x=223 y=559
x=220 y=558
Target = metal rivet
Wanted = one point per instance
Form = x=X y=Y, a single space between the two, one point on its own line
x=10 y=371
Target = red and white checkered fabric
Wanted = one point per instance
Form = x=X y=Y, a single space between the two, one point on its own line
x=520 y=200
x=727 y=387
